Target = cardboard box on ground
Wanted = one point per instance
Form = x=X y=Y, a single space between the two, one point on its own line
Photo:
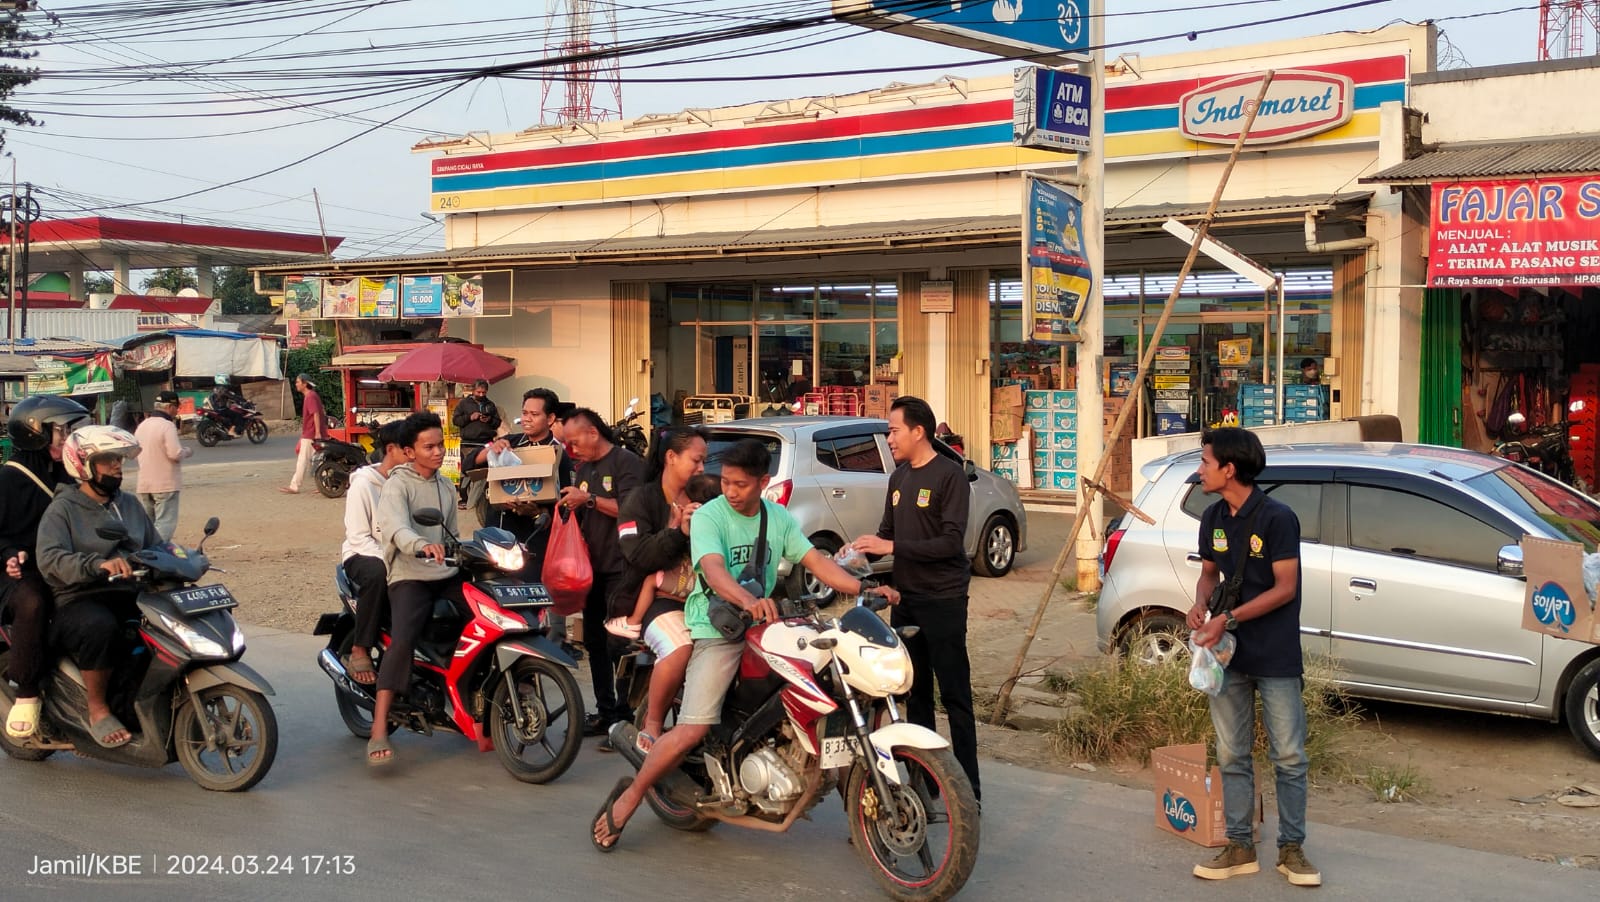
x=532 y=480
x=1189 y=796
x=1005 y=414
x=1557 y=603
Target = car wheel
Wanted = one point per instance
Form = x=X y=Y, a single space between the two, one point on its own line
x=997 y=547
x=1583 y=706
x=800 y=583
x=1154 y=639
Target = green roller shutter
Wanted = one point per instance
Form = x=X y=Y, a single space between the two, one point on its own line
x=1439 y=413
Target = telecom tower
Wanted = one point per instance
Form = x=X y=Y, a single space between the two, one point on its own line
x=588 y=63
x=1563 y=25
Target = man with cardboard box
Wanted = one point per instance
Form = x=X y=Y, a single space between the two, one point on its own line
x=1253 y=542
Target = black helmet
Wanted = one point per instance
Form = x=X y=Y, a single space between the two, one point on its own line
x=33 y=416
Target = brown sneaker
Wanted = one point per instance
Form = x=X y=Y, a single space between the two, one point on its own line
x=1292 y=863
x=1235 y=859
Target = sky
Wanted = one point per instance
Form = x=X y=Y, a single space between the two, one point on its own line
x=233 y=111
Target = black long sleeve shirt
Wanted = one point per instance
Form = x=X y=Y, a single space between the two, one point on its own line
x=647 y=543
x=22 y=504
x=925 y=515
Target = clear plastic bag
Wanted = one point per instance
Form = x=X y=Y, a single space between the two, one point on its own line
x=854 y=562
x=506 y=458
x=1207 y=666
x=1591 y=576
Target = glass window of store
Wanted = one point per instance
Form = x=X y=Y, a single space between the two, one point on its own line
x=777 y=341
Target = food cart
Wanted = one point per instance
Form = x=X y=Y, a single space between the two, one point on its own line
x=370 y=402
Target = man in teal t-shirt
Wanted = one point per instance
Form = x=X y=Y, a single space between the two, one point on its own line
x=722 y=540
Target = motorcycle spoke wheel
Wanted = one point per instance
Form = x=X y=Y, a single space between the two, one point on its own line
x=546 y=743
x=244 y=739
x=922 y=841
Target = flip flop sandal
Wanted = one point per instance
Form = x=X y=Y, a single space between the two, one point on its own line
x=379 y=744
x=622 y=628
x=605 y=813
x=25 y=712
x=355 y=665
x=104 y=727
x=645 y=742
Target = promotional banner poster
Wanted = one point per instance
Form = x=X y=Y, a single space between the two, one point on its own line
x=67 y=376
x=1515 y=232
x=463 y=294
x=302 y=298
x=1058 y=275
x=380 y=298
x=340 y=298
x=422 y=296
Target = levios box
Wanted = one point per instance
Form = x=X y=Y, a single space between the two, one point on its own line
x=534 y=480
x=1556 y=602
x=1189 y=796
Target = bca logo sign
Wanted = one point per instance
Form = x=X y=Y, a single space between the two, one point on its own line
x=1552 y=606
x=1180 y=811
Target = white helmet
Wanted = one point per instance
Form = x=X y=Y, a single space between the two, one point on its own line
x=90 y=442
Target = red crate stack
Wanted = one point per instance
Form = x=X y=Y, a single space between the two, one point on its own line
x=844 y=401
x=1584 y=387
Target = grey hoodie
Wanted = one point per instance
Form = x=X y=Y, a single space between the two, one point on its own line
x=406 y=491
x=70 y=553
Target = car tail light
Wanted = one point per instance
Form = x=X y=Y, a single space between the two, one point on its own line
x=1113 y=539
x=779 y=492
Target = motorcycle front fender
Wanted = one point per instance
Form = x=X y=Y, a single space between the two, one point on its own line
x=888 y=738
x=508 y=651
x=237 y=673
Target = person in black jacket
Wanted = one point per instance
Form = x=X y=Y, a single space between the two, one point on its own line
x=653 y=530
x=478 y=420
x=925 y=528
x=38 y=428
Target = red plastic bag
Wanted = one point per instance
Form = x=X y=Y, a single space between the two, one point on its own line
x=568 y=575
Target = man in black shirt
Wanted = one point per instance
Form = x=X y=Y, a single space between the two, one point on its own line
x=606 y=474
x=1247 y=528
x=478 y=420
x=925 y=528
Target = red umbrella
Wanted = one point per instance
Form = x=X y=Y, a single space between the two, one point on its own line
x=448 y=362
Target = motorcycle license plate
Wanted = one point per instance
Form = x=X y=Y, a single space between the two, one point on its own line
x=520 y=595
x=199 y=599
x=836 y=749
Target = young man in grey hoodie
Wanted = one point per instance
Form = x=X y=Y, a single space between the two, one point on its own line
x=414 y=582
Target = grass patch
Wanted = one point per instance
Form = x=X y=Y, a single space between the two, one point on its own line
x=1127 y=708
x=1070 y=582
x=1395 y=785
x=1059 y=683
x=1090 y=600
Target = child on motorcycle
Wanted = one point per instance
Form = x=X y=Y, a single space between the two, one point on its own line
x=77 y=563
x=38 y=428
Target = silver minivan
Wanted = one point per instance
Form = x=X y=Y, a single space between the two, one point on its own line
x=832 y=473
x=1411 y=574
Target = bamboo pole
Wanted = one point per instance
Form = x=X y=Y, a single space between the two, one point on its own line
x=1091 y=496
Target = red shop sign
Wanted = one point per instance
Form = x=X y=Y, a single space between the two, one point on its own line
x=1515 y=232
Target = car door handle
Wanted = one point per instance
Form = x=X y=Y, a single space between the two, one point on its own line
x=1363 y=585
x=1192 y=558
x=839 y=493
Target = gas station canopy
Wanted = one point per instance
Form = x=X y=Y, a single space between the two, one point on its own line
x=101 y=244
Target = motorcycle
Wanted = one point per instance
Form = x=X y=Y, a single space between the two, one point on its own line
x=333 y=462
x=1544 y=448
x=183 y=692
x=630 y=435
x=213 y=427
x=498 y=680
x=805 y=716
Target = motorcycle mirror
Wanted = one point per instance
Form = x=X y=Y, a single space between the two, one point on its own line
x=211 y=526
x=1516 y=419
x=428 y=516
x=112 y=532
x=633 y=402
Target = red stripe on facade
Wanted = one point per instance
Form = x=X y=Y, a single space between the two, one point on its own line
x=1167 y=93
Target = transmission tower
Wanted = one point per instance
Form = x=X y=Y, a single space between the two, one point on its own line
x=1568 y=29
x=587 y=86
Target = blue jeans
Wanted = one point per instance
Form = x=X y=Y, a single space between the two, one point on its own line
x=1233 y=714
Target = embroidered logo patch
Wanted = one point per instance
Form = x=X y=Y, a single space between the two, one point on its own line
x=894 y=500
x=1255 y=545
x=1219 y=540
x=630 y=528
x=584 y=485
x=924 y=496
x=605 y=483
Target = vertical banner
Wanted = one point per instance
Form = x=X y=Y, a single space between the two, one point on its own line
x=463 y=294
x=1054 y=267
x=380 y=298
x=302 y=297
x=340 y=298
x=422 y=296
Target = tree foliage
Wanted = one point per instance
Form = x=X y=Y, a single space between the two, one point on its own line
x=15 y=35
x=310 y=360
x=236 y=289
x=173 y=279
x=98 y=285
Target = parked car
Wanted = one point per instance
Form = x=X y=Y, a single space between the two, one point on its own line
x=1411 y=575
x=832 y=473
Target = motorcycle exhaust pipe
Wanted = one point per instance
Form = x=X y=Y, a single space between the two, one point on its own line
x=335 y=669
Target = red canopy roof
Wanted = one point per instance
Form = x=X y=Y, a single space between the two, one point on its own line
x=156 y=304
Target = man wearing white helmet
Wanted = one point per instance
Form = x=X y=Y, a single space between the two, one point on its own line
x=77 y=563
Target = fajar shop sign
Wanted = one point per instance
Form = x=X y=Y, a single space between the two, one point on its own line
x=1515 y=232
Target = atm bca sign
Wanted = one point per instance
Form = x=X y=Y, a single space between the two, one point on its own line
x=1297 y=105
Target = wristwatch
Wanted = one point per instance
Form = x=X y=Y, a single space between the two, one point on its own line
x=1230 y=622
x=590 y=502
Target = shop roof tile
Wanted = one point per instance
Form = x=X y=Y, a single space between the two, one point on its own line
x=1523 y=158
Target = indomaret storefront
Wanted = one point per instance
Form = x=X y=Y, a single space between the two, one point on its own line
x=776 y=251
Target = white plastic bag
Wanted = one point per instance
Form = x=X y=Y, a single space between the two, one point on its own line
x=1207 y=666
x=506 y=458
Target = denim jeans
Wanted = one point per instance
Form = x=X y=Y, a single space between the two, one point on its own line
x=1233 y=714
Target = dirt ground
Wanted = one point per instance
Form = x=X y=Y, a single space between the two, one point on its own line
x=1486 y=782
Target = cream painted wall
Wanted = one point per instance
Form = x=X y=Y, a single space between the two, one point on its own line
x=1497 y=108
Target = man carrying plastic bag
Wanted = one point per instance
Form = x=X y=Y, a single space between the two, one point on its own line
x=1252 y=542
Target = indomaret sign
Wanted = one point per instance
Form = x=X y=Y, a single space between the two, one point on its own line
x=1515 y=232
x=1297 y=105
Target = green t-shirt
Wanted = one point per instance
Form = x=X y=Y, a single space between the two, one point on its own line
x=719 y=529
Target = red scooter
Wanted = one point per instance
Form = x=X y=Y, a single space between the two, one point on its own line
x=492 y=675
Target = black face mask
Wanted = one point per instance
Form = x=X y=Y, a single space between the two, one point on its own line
x=106 y=485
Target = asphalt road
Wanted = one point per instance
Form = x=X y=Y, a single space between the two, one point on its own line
x=447 y=822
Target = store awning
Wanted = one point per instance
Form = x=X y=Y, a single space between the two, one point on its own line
x=369 y=358
x=1500 y=160
x=918 y=235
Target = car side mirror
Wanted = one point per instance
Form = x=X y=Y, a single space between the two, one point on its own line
x=112 y=532
x=428 y=516
x=971 y=469
x=1509 y=560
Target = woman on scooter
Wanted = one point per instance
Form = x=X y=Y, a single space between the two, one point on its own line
x=38 y=428
x=414 y=555
x=76 y=561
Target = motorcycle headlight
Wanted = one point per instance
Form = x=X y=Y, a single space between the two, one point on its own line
x=507 y=559
x=889 y=669
x=196 y=643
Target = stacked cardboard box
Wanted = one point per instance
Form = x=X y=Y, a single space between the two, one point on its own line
x=1052 y=416
x=876 y=400
x=1005 y=414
